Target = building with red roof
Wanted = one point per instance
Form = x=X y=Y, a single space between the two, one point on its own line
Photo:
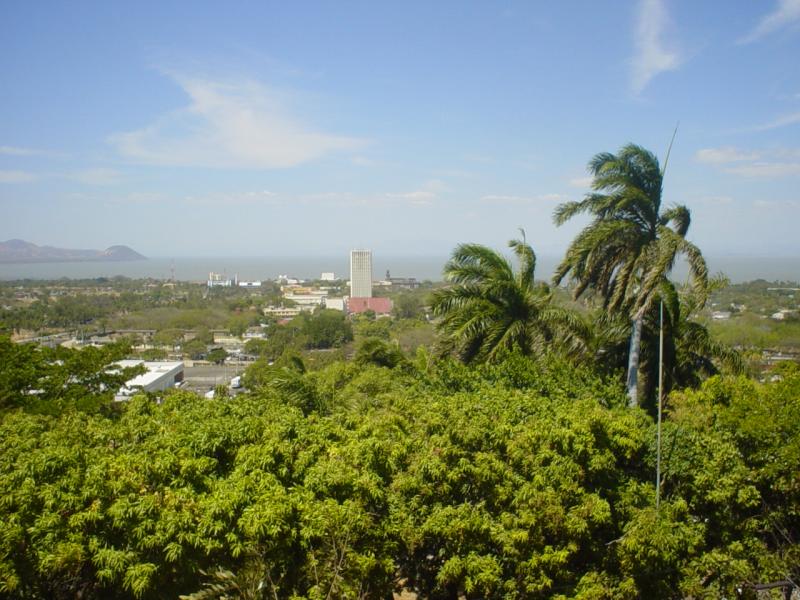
x=380 y=306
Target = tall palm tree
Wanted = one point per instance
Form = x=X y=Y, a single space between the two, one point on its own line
x=491 y=309
x=630 y=247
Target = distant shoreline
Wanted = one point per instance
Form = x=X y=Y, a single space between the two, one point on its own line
x=29 y=261
x=196 y=269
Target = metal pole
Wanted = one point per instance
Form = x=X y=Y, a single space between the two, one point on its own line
x=660 y=395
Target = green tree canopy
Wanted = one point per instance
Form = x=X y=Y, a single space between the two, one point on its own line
x=52 y=380
x=326 y=328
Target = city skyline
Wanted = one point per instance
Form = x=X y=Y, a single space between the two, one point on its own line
x=253 y=130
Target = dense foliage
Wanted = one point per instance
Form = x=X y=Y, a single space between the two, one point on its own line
x=520 y=479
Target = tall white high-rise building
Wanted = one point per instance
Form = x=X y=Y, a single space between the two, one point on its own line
x=361 y=274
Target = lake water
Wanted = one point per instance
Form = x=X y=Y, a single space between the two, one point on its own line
x=737 y=268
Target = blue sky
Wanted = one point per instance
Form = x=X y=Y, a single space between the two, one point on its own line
x=287 y=128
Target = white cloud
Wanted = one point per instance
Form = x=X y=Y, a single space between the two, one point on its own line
x=240 y=125
x=427 y=192
x=552 y=198
x=97 y=176
x=581 y=182
x=716 y=200
x=510 y=199
x=480 y=158
x=765 y=169
x=774 y=163
x=16 y=176
x=223 y=199
x=454 y=173
x=437 y=186
x=16 y=151
x=652 y=56
x=782 y=121
x=776 y=203
x=786 y=13
x=415 y=197
x=725 y=154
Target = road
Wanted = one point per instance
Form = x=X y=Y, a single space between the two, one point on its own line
x=202 y=378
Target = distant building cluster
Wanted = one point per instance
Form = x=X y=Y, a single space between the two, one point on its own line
x=221 y=280
x=398 y=283
x=300 y=296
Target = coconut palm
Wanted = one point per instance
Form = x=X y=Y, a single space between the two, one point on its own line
x=628 y=250
x=491 y=309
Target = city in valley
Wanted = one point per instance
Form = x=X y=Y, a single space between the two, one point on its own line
x=400 y=300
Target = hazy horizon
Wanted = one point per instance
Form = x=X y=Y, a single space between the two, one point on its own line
x=196 y=268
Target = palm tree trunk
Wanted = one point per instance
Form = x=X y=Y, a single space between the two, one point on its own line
x=633 y=361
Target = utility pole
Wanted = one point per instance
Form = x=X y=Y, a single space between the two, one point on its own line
x=661 y=354
x=660 y=400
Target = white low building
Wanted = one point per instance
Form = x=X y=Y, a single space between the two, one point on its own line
x=159 y=376
x=335 y=303
x=282 y=312
x=313 y=299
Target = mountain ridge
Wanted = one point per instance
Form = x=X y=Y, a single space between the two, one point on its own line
x=21 y=251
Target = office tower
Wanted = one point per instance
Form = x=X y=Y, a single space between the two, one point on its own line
x=361 y=274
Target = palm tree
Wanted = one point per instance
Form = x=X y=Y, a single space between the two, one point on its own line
x=628 y=250
x=491 y=309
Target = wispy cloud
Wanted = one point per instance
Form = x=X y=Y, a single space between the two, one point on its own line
x=251 y=198
x=97 y=176
x=229 y=125
x=725 y=154
x=652 y=54
x=480 y=158
x=776 y=203
x=786 y=13
x=363 y=161
x=512 y=199
x=765 y=169
x=415 y=197
x=774 y=163
x=428 y=191
x=23 y=151
x=782 y=121
x=581 y=182
x=17 y=176
x=716 y=200
x=16 y=151
x=454 y=173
